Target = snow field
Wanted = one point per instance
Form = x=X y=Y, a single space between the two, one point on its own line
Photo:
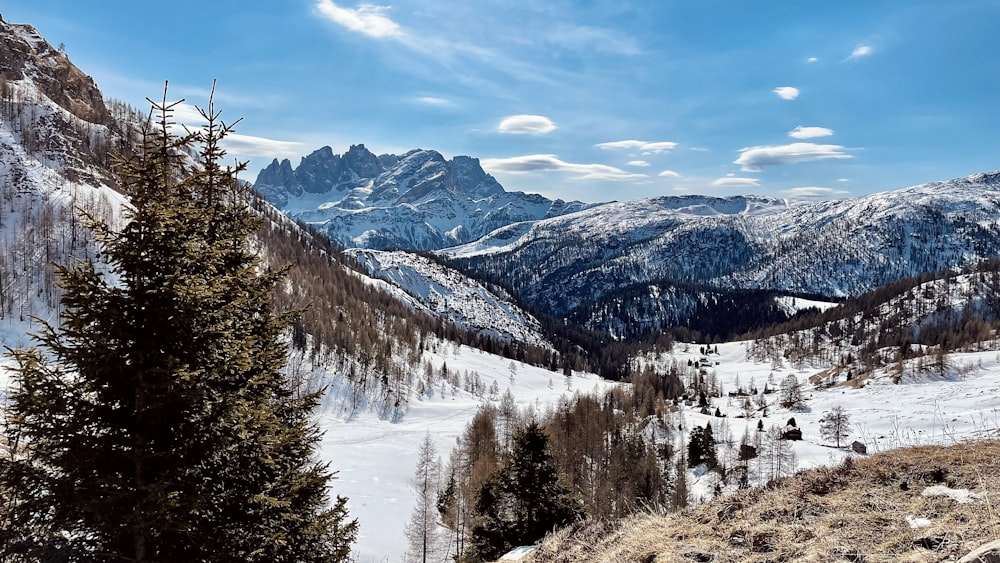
x=923 y=409
x=375 y=457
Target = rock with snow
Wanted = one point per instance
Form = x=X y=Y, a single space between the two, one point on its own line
x=418 y=200
x=833 y=248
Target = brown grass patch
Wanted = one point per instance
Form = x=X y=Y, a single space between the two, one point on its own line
x=856 y=511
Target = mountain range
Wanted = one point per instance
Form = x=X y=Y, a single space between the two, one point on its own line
x=417 y=200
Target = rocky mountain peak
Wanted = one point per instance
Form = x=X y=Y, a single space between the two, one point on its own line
x=27 y=55
x=362 y=162
x=417 y=200
x=472 y=179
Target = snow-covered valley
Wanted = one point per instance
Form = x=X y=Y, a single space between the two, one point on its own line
x=376 y=456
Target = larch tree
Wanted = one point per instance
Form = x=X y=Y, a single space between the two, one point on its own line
x=155 y=420
x=422 y=533
x=835 y=425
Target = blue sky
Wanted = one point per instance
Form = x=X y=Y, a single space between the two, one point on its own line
x=591 y=100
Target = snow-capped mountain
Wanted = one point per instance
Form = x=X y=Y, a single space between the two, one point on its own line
x=418 y=200
x=445 y=292
x=832 y=248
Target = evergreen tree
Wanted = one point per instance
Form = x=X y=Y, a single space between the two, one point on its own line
x=156 y=420
x=521 y=502
x=708 y=443
x=696 y=447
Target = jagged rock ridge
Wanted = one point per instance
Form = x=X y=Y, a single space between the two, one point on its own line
x=418 y=200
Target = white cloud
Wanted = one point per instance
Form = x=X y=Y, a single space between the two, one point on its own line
x=243 y=146
x=813 y=192
x=526 y=125
x=860 y=51
x=187 y=114
x=248 y=146
x=752 y=159
x=645 y=147
x=787 y=92
x=843 y=180
x=801 y=132
x=812 y=60
x=637 y=163
x=735 y=182
x=669 y=174
x=549 y=162
x=366 y=19
x=433 y=101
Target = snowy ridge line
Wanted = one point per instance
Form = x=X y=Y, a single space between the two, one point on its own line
x=453 y=296
x=833 y=248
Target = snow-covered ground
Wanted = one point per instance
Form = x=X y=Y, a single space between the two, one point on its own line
x=924 y=408
x=376 y=457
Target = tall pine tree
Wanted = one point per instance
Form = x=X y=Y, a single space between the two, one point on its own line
x=522 y=501
x=156 y=422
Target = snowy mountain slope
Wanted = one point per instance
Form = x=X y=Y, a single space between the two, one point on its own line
x=834 y=248
x=418 y=200
x=489 y=311
x=55 y=131
x=376 y=456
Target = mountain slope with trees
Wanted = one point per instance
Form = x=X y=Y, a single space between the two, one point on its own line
x=156 y=421
x=832 y=249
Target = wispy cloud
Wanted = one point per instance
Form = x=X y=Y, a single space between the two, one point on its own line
x=551 y=163
x=434 y=101
x=860 y=51
x=584 y=38
x=249 y=146
x=526 y=125
x=645 y=147
x=753 y=159
x=812 y=60
x=242 y=146
x=366 y=19
x=787 y=92
x=813 y=192
x=801 y=132
x=637 y=163
x=736 y=182
x=669 y=174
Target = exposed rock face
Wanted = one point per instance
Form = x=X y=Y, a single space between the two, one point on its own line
x=417 y=200
x=25 y=54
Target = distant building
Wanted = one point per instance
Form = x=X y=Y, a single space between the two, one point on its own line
x=791 y=433
x=859 y=448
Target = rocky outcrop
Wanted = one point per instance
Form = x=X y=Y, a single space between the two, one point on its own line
x=418 y=200
x=25 y=54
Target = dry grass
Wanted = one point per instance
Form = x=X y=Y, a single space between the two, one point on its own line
x=853 y=512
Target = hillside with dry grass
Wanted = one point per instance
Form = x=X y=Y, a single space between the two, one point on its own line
x=927 y=503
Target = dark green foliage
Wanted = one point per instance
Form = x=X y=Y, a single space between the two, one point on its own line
x=701 y=447
x=156 y=421
x=521 y=502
